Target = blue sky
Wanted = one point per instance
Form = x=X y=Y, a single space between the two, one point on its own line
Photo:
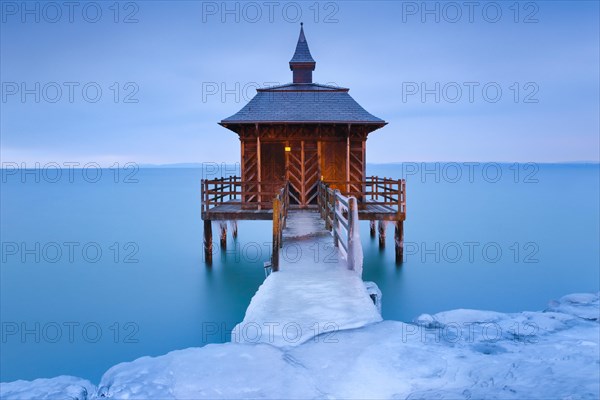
x=177 y=53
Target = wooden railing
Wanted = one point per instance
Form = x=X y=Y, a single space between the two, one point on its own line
x=231 y=190
x=281 y=204
x=254 y=195
x=374 y=191
x=338 y=212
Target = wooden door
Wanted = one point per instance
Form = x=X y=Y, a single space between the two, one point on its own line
x=272 y=170
x=333 y=162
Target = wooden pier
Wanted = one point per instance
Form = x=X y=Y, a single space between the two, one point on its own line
x=377 y=199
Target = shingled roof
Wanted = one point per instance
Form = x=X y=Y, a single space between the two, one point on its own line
x=304 y=101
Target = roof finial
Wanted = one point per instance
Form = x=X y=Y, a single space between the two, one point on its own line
x=302 y=64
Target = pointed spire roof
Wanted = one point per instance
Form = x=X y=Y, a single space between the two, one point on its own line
x=302 y=101
x=302 y=54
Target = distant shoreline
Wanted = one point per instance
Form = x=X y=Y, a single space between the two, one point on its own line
x=8 y=165
x=201 y=165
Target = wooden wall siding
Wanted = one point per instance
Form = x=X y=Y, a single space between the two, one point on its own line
x=357 y=164
x=291 y=132
x=295 y=171
x=303 y=171
x=333 y=152
x=312 y=171
x=249 y=168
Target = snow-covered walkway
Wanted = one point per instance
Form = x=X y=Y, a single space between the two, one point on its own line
x=313 y=292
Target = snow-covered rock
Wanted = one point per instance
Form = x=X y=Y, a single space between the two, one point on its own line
x=375 y=294
x=59 y=388
x=460 y=354
x=583 y=305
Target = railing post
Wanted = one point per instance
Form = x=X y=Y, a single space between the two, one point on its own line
x=399 y=195
x=282 y=214
x=287 y=201
x=260 y=198
x=350 y=256
x=203 y=194
x=386 y=192
x=281 y=224
x=335 y=224
x=243 y=190
x=319 y=199
x=222 y=190
x=276 y=235
x=327 y=205
x=323 y=202
x=372 y=188
x=404 y=196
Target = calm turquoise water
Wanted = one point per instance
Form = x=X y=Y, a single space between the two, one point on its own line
x=471 y=242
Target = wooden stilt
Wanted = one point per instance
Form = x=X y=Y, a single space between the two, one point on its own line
x=372 y=228
x=208 y=247
x=381 y=229
x=234 y=228
x=399 y=240
x=223 y=228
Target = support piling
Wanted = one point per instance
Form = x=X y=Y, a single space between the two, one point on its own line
x=399 y=241
x=381 y=229
x=208 y=245
x=223 y=234
x=234 y=229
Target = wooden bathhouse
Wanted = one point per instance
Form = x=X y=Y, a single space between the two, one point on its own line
x=306 y=137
